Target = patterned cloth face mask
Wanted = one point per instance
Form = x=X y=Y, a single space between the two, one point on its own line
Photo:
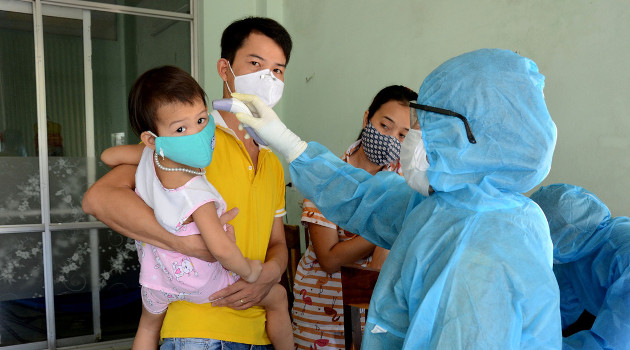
x=380 y=149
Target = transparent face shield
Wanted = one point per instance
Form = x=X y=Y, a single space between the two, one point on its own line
x=415 y=124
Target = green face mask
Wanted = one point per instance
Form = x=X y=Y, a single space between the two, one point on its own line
x=193 y=150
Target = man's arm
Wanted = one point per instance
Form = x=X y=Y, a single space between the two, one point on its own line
x=277 y=253
x=113 y=201
x=252 y=293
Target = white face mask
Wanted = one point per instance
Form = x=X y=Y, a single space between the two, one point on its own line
x=413 y=160
x=261 y=83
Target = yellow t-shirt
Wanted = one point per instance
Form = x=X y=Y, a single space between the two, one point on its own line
x=260 y=198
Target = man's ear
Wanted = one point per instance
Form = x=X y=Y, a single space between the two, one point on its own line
x=223 y=68
x=148 y=140
x=365 y=119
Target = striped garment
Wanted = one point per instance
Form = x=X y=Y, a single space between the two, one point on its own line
x=318 y=306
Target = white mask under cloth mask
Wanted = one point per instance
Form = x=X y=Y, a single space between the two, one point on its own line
x=413 y=161
x=261 y=83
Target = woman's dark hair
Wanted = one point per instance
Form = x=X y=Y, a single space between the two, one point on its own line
x=236 y=33
x=398 y=93
x=155 y=88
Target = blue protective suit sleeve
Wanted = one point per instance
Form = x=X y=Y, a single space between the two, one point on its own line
x=609 y=267
x=571 y=307
x=592 y=255
x=582 y=340
x=371 y=206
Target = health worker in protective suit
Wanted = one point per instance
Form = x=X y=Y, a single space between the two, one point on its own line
x=591 y=252
x=470 y=265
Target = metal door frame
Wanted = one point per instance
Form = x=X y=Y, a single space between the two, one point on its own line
x=79 y=10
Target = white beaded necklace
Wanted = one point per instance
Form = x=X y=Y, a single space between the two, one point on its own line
x=190 y=171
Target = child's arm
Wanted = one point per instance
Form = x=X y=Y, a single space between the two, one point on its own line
x=220 y=245
x=124 y=154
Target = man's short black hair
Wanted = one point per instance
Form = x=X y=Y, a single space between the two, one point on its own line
x=236 y=33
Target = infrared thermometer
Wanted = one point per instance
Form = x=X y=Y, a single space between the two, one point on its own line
x=235 y=106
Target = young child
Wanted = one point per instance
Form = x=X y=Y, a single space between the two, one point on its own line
x=167 y=109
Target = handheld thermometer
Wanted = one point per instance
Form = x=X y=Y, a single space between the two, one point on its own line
x=234 y=106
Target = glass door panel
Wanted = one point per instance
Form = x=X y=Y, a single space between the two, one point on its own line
x=141 y=43
x=65 y=117
x=119 y=287
x=19 y=165
x=22 y=304
x=66 y=280
x=115 y=275
x=182 y=6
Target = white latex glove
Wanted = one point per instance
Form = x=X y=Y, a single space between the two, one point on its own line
x=269 y=127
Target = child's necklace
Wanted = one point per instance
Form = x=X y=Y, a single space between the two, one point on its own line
x=190 y=171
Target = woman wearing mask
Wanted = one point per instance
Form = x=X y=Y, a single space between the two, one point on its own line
x=318 y=308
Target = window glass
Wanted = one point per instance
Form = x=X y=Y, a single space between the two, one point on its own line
x=20 y=191
x=116 y=277
x=22 y=305
x=181 y=6
x=86 y=261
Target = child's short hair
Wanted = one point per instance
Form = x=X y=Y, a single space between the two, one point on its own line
x=157 y=87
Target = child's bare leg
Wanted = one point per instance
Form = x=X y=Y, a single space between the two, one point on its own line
x=148 y=334
x=279 y=327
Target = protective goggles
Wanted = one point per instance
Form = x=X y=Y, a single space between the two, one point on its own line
x=413 y=117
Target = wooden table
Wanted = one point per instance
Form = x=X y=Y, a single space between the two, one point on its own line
x=357 y=284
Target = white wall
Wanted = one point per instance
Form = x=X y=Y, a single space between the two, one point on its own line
x=345 y=51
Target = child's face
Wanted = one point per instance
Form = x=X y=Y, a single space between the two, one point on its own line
x=180 y=119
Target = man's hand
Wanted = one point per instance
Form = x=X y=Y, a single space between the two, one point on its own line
x=242 y=295
x=194 y=245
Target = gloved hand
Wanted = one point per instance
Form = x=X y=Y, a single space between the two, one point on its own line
x=269 y=127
